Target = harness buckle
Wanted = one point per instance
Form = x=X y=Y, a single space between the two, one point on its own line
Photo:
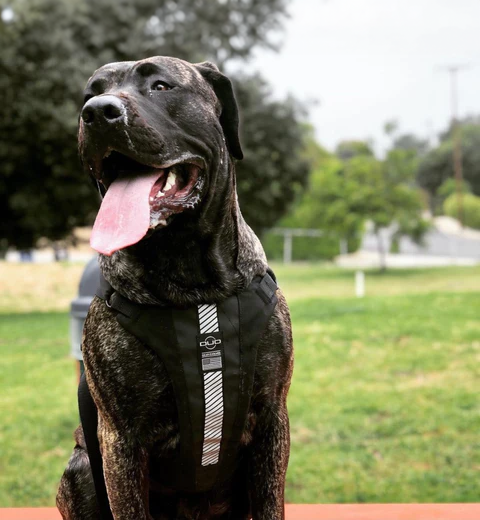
x=108 y=296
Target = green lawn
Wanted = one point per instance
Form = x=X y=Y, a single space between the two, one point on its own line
x=384 y=403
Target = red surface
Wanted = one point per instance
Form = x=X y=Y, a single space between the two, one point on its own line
x=317 y=512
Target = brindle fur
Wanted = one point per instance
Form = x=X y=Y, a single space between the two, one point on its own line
x=204 y=255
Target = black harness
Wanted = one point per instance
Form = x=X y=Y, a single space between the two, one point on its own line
x=209 y=352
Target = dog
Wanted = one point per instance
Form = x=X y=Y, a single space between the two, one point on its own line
x=171 y=127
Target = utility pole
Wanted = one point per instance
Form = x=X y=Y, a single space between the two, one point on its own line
x=456 y=137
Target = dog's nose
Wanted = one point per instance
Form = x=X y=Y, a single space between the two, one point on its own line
x=103 y=109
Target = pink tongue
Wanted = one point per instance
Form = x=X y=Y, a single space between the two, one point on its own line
x=124 y=216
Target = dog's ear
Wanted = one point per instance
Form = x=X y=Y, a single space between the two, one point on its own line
x=223 y=89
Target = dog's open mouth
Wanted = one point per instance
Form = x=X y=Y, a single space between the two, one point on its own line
x=141 y=197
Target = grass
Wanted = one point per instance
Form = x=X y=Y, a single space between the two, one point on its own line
x=38 y=406
x=38 y=287
x=383 y=406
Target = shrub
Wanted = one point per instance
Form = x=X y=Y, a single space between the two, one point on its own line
x=471 y=209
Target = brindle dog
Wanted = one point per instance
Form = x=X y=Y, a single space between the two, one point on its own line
x=164 y=114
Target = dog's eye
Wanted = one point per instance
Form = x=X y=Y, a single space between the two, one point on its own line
x=160 y=85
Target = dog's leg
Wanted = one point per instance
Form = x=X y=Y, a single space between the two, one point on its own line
x=270 y=451
x=125 y=466
x=76 y=493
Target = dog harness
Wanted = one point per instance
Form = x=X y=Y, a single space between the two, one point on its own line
x=209 y=352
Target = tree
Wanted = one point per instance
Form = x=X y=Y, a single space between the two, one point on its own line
x=347 y=149
x=401 y=166
x=50 y=48
x=405 y=141
x=411 y=143
x=449 y=187
x=402 y=200
x=391 y=127
x=320 y=207
x=41 y=189
x=274 y=169
x=344 y=195
x=437 y=166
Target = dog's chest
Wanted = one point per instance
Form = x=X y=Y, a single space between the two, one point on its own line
x=208 y=352
x=129 y=382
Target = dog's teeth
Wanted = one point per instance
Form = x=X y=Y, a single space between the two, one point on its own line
x=170 y=180
x=159 y=194
x=163 y=222
x=151 y=199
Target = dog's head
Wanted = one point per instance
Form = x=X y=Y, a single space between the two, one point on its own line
x=156 y=134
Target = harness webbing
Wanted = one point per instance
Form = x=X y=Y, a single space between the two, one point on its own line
x=209 y=352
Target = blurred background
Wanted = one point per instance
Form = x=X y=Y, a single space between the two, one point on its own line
x=360 y=125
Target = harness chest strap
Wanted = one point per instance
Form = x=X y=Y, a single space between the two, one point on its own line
x=212 y=382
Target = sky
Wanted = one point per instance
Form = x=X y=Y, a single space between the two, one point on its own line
x=360 y=63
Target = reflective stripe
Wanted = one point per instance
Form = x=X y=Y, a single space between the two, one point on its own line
x=207 y=317
x=213 y=393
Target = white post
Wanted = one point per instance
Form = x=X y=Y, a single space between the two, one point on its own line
x=343 y=246
x=287 y=247
x=359 y=284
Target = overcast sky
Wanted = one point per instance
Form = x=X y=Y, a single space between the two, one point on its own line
x=369 y=61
